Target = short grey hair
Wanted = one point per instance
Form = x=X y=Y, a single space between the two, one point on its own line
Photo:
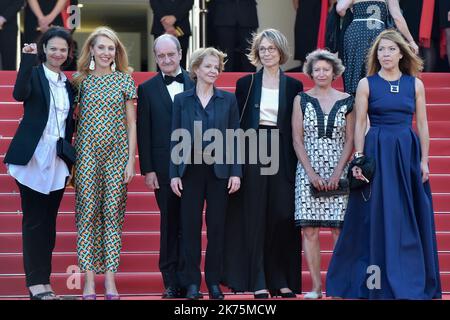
x=277 y=38
x=323 y=55
x=167 y=36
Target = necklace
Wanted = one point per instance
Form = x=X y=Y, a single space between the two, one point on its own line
x=394 y=88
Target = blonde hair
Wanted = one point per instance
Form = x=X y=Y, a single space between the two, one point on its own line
x=410 y=64
x=323 y=55
x=84 y=60
x=199 y=55
x=274 y=36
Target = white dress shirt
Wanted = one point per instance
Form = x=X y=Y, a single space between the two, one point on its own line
x=268 y=107
x=46 y=172
x=175 y=87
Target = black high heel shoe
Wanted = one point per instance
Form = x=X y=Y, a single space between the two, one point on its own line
x=285 y=295
x=263 y=295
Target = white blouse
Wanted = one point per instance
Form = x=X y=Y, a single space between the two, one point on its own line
x=268 y=113
x=46 y=172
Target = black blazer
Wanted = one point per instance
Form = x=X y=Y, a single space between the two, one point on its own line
x=228 y=13
x=178 y=8
x=33 y=89
x=288 y=89
x=154 y=125
x=226 y=116
x=8 y=10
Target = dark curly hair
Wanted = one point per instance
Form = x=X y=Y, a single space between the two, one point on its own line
x=55 y=32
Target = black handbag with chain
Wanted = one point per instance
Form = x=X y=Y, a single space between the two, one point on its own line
x=367 y=165
x=64 y=149
x=342 y=190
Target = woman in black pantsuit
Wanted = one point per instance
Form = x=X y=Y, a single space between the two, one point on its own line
x=32 y=158
x=197 y=178
x=262 y=250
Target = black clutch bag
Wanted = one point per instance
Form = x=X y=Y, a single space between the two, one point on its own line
x=342 y=190
x=367 y=165
x=66 y=152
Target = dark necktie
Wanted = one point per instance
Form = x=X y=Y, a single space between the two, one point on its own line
x=169 y=79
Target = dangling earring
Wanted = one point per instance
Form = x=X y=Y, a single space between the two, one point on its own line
x=92 y=64
x=113 y=66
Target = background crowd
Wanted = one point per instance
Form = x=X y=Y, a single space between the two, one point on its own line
x=230 y=24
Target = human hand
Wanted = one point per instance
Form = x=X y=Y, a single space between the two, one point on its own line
x=414 y=47
x=44 y=23
x=333 y=182
x=151 y=181
x=234 y=183
x=318 y=182
x=168 y=20
x=129 y=172
x=357 y=173
x=425 y=171
x=171 y=31
x=2 y=21
x=29 y=48
x=177 y=186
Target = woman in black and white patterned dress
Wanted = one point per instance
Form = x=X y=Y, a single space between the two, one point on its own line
x=322 y=124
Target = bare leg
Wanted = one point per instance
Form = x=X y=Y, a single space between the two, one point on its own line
x=311 y=246
x=110 y=283
x=89 y=283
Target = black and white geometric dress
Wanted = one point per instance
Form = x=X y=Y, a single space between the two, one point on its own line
x=324 y=139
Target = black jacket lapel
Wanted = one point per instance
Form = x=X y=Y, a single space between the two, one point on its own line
x=281 y=101
x=165 y=96
x=45 y=86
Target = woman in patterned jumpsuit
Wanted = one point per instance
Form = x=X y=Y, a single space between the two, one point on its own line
x=106 y=145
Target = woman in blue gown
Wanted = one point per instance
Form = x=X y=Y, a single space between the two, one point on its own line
x=387 y=248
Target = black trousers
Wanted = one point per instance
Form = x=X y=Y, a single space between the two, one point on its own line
x=272 y=240
x=184 y=42
x=8 y=47
x=200 y=184
x=234 y=41
x=169 y=205
x=38 y=232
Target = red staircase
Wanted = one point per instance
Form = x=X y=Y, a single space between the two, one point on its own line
x=138 y=274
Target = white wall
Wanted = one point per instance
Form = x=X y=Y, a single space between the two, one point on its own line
x=279 y=14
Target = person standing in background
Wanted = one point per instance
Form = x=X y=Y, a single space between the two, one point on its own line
x=444 y=9
x=8 y=33
x=234 y=22
x=40 y=15
x=172 y=17
x=154 y=128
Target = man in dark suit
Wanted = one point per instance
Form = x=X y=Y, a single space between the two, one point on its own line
x=172 y=17
x=8 y=33
x=154 y=121
x=234 y=22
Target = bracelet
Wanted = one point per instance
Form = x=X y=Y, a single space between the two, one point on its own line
x=357 y=154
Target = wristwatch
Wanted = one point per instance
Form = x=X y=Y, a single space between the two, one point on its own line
x=358 y=154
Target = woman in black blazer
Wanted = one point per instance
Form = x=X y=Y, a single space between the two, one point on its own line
x=32 y=158
x=199 y=173
x=262 y=247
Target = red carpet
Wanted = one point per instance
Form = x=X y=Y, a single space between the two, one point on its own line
x=138 y=276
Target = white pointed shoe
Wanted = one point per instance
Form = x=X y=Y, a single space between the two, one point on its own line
x=313 y=295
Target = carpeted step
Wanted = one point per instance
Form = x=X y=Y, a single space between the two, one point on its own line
x=149 y=241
